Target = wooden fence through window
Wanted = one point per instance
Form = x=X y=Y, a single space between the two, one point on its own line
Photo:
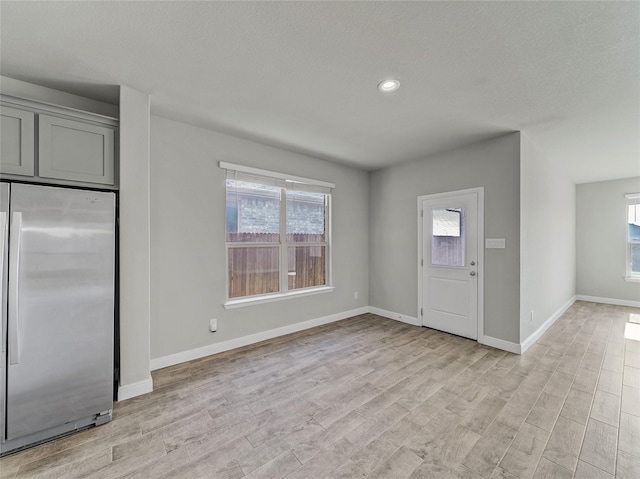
x=255 y=270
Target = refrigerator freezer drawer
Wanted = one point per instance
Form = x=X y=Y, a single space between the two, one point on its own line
x=53 y=433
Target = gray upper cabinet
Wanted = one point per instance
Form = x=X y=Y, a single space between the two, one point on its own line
x=44 y=143
x=75 y=150
x=17 y=141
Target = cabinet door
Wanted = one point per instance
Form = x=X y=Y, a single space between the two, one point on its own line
x=74 y=150
x=17 y=145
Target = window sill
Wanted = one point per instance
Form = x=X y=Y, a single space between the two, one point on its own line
x=632 y=279
x=241 y=303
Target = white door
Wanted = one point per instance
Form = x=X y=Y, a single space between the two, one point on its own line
x=449 y=262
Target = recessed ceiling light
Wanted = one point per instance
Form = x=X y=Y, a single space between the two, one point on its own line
x=387 y=86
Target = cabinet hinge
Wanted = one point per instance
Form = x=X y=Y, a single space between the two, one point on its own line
x=421 y=313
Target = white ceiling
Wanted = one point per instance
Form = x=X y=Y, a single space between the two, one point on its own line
x=303 y=75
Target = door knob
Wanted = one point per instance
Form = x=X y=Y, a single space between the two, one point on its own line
x=473 y=263
x=473 y=273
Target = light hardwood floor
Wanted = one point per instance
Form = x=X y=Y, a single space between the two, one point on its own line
x=371 y=397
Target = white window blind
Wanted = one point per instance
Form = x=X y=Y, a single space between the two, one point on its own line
x=272 y=178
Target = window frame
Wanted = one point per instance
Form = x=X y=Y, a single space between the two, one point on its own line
x=283 y=244
x=632 y=199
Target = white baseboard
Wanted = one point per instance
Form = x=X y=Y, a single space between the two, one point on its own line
x=184 y=356
x=143 y=387
x=537 y=334
x=136 y=389
x=616 y=302
x=500 y=344
x=487 y=340
x=397 y=316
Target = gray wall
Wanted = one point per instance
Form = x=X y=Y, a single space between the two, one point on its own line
x=188 y=238
x=494 y=164
x=601 y=231
x=547 y=238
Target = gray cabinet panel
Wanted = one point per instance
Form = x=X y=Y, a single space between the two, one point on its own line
x=17 y=146
x=74 y=150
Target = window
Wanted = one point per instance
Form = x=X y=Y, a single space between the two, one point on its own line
x=277 y=234
x=633 y=237
x=447 y=240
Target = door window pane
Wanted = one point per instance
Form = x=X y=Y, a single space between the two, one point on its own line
x=448 y=239
x=446 y=222
x=253 y=271
x=307 y=266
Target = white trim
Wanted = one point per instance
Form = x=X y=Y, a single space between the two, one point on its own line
x=631 y=276
x=30 y=92
x=537 y=334
x=453 y=193
x=396 y=316
x=136 y=389
x=486 y=340
x=146 y=386
x=184 y=356
x=329 y=240
x=481 y=250
x=59 y=111
x=274 y=174
x=617 y=302
x=479 y=191
x=500 y=344
x=253 y=300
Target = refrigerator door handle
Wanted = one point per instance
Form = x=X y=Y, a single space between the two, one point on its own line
x=14 y=310
x=3 y=233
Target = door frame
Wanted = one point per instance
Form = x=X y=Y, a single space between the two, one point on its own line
x=479 y=191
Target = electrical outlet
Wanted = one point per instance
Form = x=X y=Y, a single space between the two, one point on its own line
x=355 y=295
x=213 y=325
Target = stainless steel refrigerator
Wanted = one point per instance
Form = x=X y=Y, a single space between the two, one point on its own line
x=57 y=250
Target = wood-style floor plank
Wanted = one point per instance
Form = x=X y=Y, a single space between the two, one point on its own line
x=600 y=446
x=371 y=397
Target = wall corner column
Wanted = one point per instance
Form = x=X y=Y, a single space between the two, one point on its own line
x=135 y=291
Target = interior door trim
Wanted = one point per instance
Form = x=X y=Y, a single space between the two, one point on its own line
x=479 y=191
